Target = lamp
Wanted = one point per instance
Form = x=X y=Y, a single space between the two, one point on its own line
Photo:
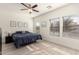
x=37 y=27
x=37 y=24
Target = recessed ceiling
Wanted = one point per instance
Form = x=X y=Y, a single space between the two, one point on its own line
x=42 y=8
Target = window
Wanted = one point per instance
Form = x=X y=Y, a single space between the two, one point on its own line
x=71 y=26
x=55 y=26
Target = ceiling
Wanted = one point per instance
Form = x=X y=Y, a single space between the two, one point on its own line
x=42 y=7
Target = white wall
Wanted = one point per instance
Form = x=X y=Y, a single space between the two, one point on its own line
x=7 y=15
x=71 y=9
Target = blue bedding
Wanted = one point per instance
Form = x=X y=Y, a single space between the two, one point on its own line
x=25 y=38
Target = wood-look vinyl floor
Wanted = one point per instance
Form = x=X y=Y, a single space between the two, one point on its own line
x=39 y=48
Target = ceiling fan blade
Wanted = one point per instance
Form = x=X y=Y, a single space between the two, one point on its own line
x=24 y=9
x=24 y=5
x=34 y=6
x=29 y=5
x=35 y=10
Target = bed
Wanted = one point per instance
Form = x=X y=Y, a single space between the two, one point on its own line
x=24 y=38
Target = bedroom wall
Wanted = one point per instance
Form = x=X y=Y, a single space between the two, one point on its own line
x=7 y=15
x=71 y=9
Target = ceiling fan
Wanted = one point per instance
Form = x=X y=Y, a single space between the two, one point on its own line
x=30 y=8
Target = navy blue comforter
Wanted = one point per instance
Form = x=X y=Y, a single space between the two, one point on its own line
x=25 y=38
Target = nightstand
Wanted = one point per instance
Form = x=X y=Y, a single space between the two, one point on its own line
x=8 y=39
